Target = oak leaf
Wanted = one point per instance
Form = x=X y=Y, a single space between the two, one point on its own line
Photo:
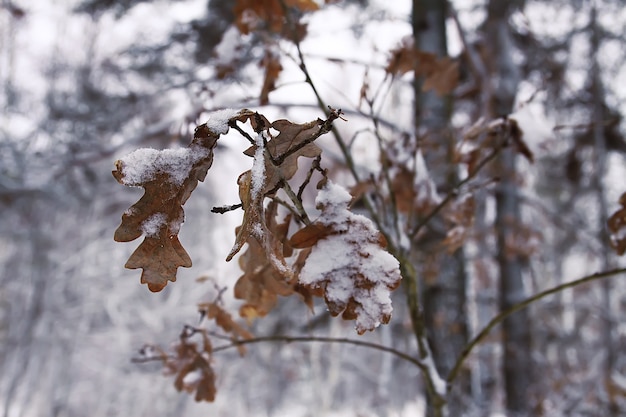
x=168 y=178
x=275 y=161
x=348 y=261
x=223 y=319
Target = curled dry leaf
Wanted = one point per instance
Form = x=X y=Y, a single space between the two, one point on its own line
x=192 y=368
x=274 y=162
x=261 y=282
x=271 y=64
x=348 y=261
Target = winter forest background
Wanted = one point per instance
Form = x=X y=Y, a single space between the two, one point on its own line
x=485 y=140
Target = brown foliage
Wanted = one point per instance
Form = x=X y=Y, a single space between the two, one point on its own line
x=192 y=368
x=293 y=141
x=251 y=15
x=168 y=178
x=272 y=66
x=160 y=208
x=261 y=283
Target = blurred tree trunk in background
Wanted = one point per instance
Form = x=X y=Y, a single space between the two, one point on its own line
x=598 y=118
x=443 y=275
x=516 y=339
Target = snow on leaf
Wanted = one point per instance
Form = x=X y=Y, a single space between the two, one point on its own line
x=348 y=261
x=218 y=120
x=168 y=178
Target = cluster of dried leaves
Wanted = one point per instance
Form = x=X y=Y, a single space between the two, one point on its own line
x=190 y=359
x=356 y=283
x=272 y=262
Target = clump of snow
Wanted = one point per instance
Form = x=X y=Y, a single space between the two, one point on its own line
x=192 y=378
x=439 y=384
x=144 y=164
x=425 y=188
x=350 y=263
x=258 y=168
x=218 y=120
x=538 y=129
x=152 y=225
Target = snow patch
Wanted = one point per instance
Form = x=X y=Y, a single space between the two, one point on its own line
x=143 y=165
x=218 y=120
x=425 y=187
x=258 y=168
x=151 y=226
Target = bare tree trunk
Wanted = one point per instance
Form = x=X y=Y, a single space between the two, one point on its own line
x=516 y=339
x=600 y=156
x=444 y=298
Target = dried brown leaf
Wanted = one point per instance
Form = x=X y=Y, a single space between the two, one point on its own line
x=251 y=15
x=159 y=213
x=193 y=370
x=225 y=321
x=271 y=64
x=309 y=235
x=261 y=283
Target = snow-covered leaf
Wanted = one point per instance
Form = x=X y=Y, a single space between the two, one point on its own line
x=348 y=261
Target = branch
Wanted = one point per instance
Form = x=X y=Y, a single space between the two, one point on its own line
x=519 y=306
x=292 y=339
x=455 y=191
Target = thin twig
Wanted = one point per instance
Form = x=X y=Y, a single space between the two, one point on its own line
x=322 y=339
x=315 y=166
x=455 y=191
x=226 y=209
x=245 y=134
